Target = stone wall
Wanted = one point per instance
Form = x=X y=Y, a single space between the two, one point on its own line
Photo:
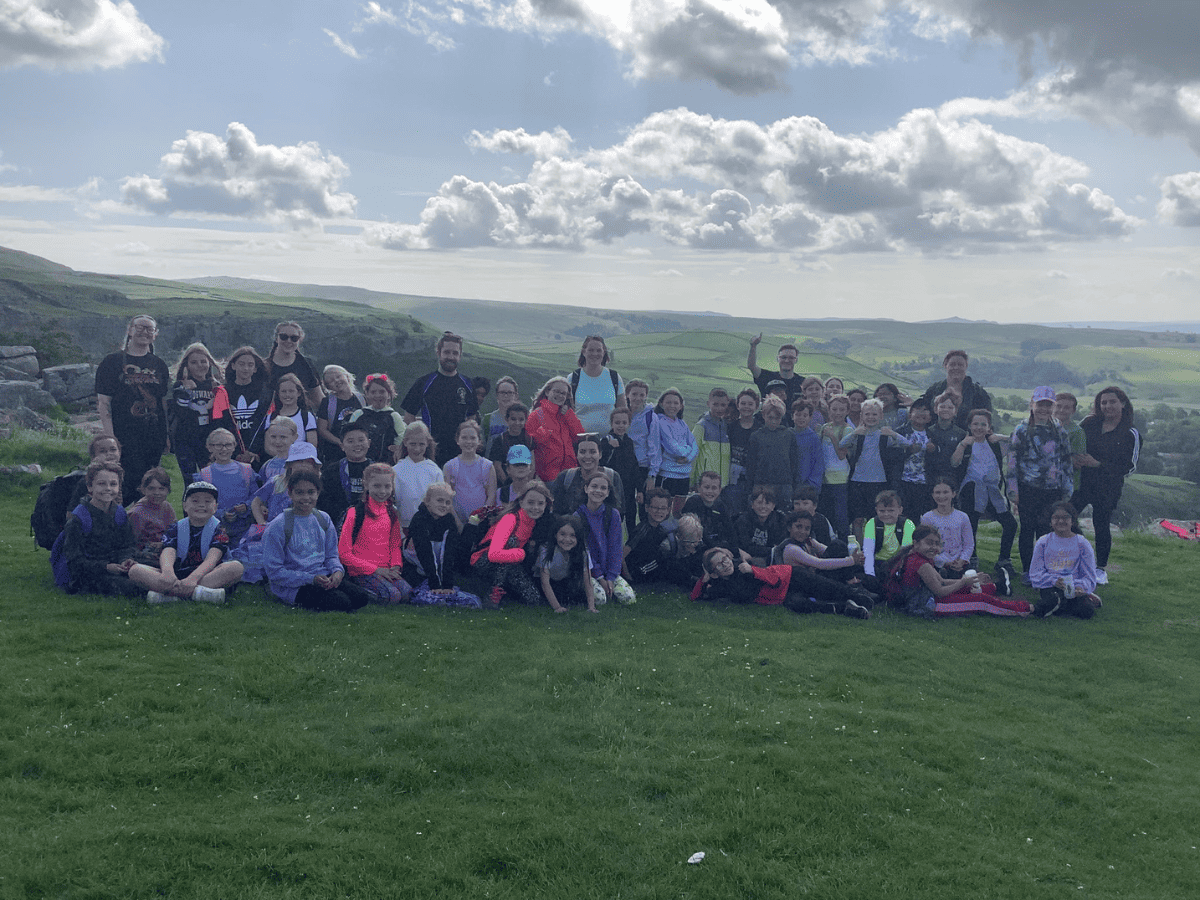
x=23 y=382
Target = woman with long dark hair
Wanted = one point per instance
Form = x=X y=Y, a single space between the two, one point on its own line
x=1112 y=452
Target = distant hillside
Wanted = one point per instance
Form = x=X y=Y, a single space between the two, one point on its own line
x=81 y=315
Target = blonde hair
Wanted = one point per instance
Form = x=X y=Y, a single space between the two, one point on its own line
x=418 y=429
x=438 y=487
x=771 y=401
x=224 y=432
x=335 y=369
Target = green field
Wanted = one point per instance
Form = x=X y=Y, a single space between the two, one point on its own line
x=255 y=751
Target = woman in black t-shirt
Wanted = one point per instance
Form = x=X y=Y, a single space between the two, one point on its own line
x=131 y=387
x=285 y=357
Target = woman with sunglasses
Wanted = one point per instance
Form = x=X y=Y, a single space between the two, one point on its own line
x=285 y=357
x=131 y=390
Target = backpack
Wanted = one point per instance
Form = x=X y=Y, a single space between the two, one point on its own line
x=915 y=601
x=58 y=559
x=51 y=508
x=183 y=536
x=248 y=478
x=574 y=382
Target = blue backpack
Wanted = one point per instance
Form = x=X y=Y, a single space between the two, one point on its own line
x=58 y=560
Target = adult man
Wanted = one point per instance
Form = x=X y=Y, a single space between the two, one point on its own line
x=957 y=380
x=787 y=356
x=442 y=399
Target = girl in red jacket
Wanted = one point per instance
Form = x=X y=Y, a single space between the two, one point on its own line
x=553 y=427
x=508 y=552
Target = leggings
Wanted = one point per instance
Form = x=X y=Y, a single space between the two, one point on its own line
x=833 y=505
x=1033 y=506
x=1104 y=499
x=514 y=578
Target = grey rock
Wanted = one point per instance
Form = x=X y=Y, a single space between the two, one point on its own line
x=22 y=358
x=8 y=373
x=24 y=393
x=70 y=383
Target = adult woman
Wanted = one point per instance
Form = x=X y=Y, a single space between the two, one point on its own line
x=285 y=357
x=971 y=395
x=131 y=390
x=1112 y=451
x=597 y=390
x=553 y=427
x=245 y=382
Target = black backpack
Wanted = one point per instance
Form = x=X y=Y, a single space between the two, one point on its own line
x=50 y=511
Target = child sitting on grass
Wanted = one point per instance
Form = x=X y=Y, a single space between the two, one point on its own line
x=760 y=529
x=602 y=529
x=914 y=585
x=369 y=544
x=152 y=516
x=1064 y=567
x=192 y=565
x=300 y=553
x=884 y=535
x=431 y=556
x=706 y=506
x=507 y=553
x=646 y=558
x=565 y=572
x=98 y=543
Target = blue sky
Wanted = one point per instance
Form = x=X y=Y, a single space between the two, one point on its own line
x=913 y=159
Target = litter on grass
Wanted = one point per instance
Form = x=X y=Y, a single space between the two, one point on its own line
x=696 y=857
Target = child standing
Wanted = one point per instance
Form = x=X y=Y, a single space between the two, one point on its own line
x=384 y=425
x=288 y=403
x=712 y=438
x=300 y=554
x=914 y=439
x=369 y=544
x=431 y=554
x=342 y=479
x=833 y=500
x=565 y=569
x=335 y=411
x=602 y=527
x=618 y=453
x=672 y=447
x=197 y=380
x=192 y=565
x=810 y=458
x=744 y=424
x=512 y=435
x=98 y=543
x=553 y=427
x=1064 y=567
x=867 y=445
x=981 y=461
x=416 y=470
x=1040 y=471
x=152 y=516
x=472 y=477
x=636 y=392
x=773 y=460
x=944 y=436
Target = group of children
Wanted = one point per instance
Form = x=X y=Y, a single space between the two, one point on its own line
x=347 y=506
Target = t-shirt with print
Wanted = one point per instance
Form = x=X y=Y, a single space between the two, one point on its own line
x=137 y=385
x=187 y=562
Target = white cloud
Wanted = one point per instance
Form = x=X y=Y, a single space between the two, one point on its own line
x=236 y=176
x=30 y=193
x=929 y=183
x=425 y=22
x=74 y=34
x=1179 y=274
x=343 y=45
x=374 y=14
x=1180 y=203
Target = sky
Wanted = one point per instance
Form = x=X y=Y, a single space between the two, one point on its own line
x=912 y=159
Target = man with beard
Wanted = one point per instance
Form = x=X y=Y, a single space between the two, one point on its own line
x=787 y=356
x=442 y=399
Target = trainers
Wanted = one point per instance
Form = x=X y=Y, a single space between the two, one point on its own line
x=1095 y=600
x=1026 y=579
x=208 y=595
x=495 y=595
x=1101 y=577
x=854 y=611
x=156 y=597
x=1003 y=579
x=1049 y=608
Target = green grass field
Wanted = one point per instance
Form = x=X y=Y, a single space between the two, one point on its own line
x=255 y=751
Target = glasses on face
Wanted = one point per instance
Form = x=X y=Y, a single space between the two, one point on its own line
x=222 y=446
x=290 y=338
x=506 y=392
x=145 y=328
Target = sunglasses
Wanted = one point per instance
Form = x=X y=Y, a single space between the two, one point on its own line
x=291 y=338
